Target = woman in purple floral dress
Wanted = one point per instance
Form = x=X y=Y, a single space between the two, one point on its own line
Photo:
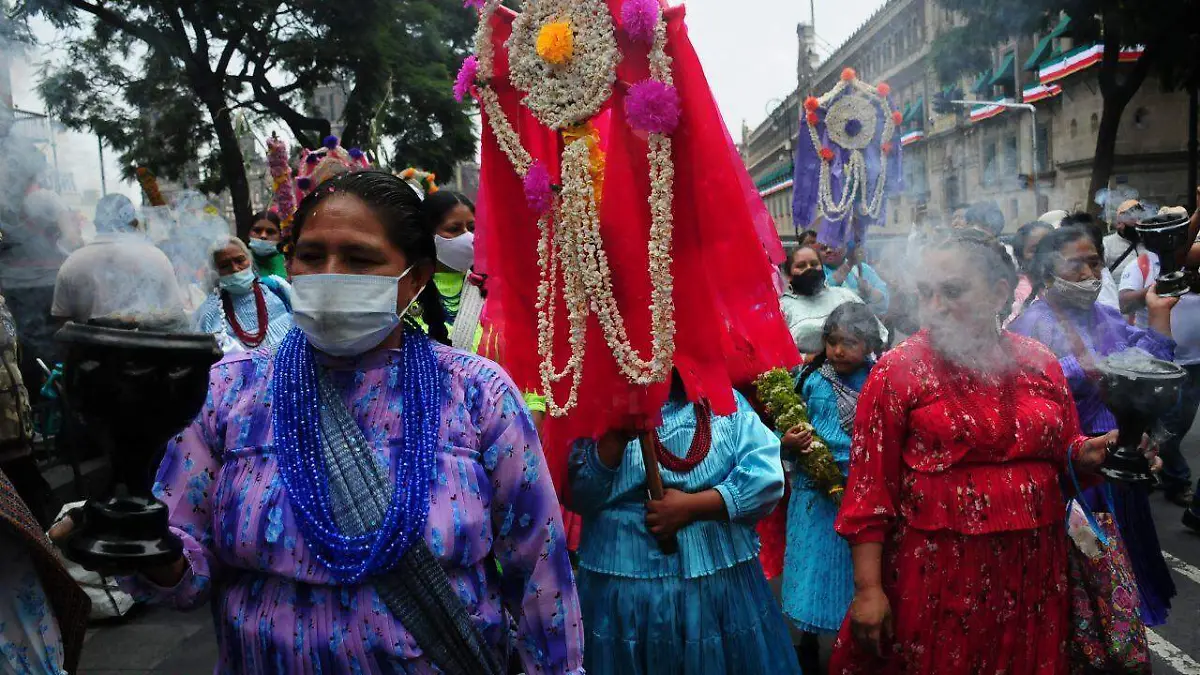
x=345 y=478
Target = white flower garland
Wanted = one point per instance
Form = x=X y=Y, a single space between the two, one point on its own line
x=856 y=183
x=564 y=96
x=570 y=244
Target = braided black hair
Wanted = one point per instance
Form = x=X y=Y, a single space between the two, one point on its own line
x=398 y=207
x=991 y=258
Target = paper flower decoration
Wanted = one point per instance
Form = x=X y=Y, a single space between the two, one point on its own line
x=811 y=104
x=639 y=18
x=898 y=118
x=466 y=78
x=539 y=191
x=849 y=74
x=653 y=107
x=474 y=4
x=556 y=43
x=812 y=118
x=827 y=154
x=884 y=89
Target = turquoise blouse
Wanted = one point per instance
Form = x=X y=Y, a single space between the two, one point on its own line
x=823 y=413
x=743 y=466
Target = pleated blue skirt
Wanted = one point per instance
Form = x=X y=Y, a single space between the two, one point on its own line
x=818 y=573
x=726 y=623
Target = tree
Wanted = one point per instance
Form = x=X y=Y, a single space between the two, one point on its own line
x=161 y=81
x=1155 y=25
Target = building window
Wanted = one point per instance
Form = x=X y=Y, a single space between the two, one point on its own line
x=1095 y=123
x=988 y=176
x=1043 y=150
x=1074 y=128
x=1141 y=118
x=1012 y=161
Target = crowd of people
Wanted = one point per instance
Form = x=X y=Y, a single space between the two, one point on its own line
x=358 y=495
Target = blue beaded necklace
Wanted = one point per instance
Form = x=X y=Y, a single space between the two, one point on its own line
x=296 y=418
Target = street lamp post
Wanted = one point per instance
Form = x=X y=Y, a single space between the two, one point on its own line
x=1037 y=191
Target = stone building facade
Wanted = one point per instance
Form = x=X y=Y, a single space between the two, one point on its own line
x=971 y=154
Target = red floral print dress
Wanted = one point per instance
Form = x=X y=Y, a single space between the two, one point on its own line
x=956 y=474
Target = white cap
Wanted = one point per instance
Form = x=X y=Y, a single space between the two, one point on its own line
x=1054 y=218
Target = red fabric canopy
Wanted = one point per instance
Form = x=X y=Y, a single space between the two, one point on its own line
x=729 y=328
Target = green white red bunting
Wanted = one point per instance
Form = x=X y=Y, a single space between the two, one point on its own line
x=912 y=137
x=1080 y=59
x=986 y=111
x=1040 y=92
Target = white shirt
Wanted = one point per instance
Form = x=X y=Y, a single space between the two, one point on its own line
x=1109 y=295
x=117 y=275
x=806 y=315
x=1116 y=246
x=1185 y=317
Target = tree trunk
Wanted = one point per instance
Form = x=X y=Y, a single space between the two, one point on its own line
x=1106 y=148
x=233 y=167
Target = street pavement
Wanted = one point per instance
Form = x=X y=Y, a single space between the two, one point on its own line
x=161 y=641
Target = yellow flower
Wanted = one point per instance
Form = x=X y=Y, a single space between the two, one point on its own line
x=556 y=43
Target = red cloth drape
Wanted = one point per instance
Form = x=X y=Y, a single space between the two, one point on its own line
x=729 y=328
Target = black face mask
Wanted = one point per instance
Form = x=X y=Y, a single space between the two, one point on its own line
x=810 y=282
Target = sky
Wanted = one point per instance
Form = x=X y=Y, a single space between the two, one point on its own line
x=749 y=47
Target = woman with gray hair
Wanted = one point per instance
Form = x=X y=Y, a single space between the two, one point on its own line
x=244 y=312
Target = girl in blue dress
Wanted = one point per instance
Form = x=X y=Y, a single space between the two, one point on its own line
x=706 y=609
x=818 y=575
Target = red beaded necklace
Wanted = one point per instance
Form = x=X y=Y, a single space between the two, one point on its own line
x=260 y=305
x=701 y=443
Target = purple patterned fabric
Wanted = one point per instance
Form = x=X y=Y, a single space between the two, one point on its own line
x=1103 y=331
x=277 y=609
x=850 y=229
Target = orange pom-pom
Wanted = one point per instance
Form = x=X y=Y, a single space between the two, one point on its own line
x=811 y=103
x=898 y=118
x=812 y=119
x=849 y=74
x=884 y=89
x=827 y=154
x=887 y=148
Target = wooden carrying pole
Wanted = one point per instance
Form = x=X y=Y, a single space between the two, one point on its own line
x=654 y=484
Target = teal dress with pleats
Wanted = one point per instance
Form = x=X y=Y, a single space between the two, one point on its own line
x=706 y=610
x=818 y=575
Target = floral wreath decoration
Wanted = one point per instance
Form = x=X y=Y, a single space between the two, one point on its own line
x=851 y=162
x=563 y=57
x=424 y=182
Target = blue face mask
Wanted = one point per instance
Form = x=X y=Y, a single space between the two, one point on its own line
x=347 y=314
x=238 y=283
x=263 y=248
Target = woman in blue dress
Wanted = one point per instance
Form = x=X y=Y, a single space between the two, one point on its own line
x=707 y=609
x=245 y=312
x=818 y=574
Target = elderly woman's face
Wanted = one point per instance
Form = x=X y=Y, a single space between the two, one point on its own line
x=957 y=302
x=230 y=260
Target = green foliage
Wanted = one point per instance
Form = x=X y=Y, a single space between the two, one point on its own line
x=160 y=81
x=787 y=410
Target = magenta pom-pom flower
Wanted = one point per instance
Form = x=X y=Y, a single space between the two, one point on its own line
x=639 y=19
x=653 y=107
x=474 y=4
x=466 y=78
x=539 y=191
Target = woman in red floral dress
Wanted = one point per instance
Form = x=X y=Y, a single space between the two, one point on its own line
x=953 y=508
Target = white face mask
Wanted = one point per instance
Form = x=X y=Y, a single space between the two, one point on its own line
x=238 y=283
x=263 y=248
x=458 y=253
x=347 y=314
